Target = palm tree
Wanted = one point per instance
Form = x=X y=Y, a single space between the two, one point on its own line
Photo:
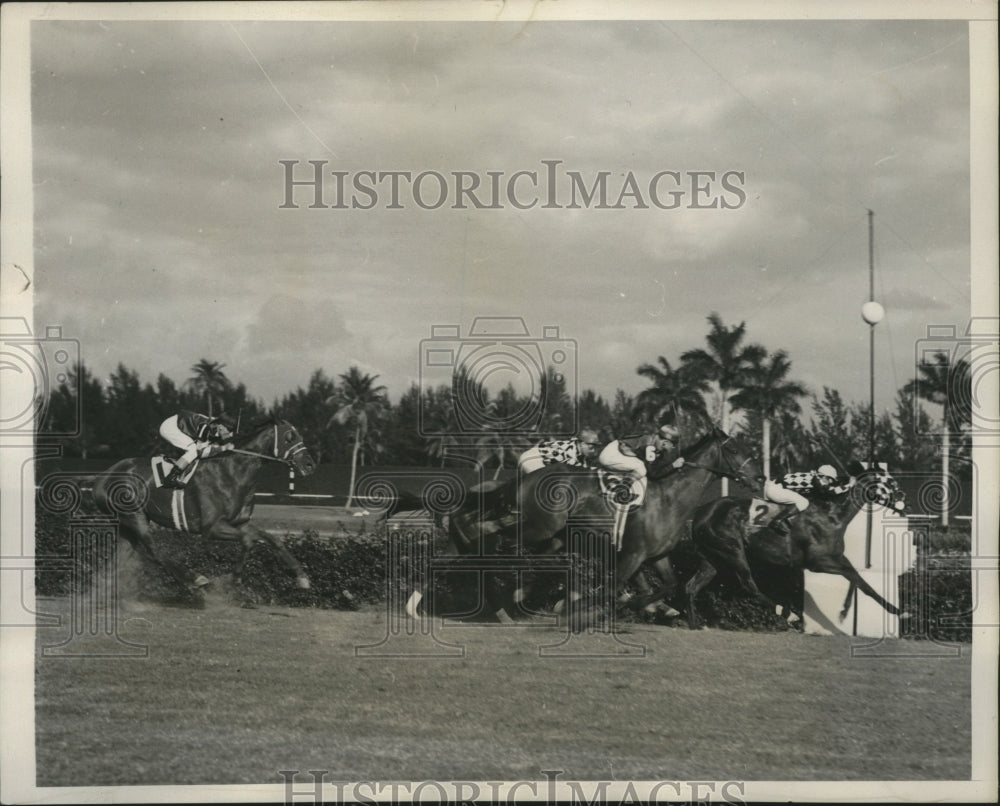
x=209 y=381
x=359 y=401
x=675 y=392
x=727 y=361
x=947 y=384
x=767 y=393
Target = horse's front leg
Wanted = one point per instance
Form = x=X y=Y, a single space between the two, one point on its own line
x=249 y=535
x=705 y=574
x=848 y=601
x=668 y=584
x=294 y=566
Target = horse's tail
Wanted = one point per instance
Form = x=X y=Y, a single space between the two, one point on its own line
x=121 y=489
x=66 y=493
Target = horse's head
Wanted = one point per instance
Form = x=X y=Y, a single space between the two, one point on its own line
x=876 y=486
x=739 y=463
x=727 y=456
x=281 y=440
x=291 y=448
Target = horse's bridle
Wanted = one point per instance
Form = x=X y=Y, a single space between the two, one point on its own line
x=729 y=473
x=286 y=457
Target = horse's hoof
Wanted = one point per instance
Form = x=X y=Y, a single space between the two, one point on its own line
x=559 y=606
x=664 y=610
x=201 y=581
x=303 y=582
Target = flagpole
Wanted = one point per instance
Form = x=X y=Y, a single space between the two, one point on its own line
x=872 y=313
x=871 y=378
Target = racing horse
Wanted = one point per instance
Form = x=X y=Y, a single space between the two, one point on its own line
x=548 y=499
x=816 y=543
x=216 y=503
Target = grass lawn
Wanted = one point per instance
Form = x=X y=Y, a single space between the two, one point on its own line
x=230 y=696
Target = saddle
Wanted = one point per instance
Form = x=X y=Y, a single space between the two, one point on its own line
x=161 y=466
x=620 y=490
x=760 y=514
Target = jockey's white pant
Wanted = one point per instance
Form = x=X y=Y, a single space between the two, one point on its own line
x=530 y=461
x=170 y=431
x=775 y=492
x=613 y=459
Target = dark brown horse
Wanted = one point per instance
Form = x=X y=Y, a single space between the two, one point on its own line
x=547 y=500
x=720 y=533
x=216 y=503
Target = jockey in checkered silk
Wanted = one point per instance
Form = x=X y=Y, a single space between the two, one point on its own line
x=197 y=435
x=578 y=452
x=817 y=483
x=631 y=454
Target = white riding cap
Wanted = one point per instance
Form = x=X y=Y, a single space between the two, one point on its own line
x=827 y=470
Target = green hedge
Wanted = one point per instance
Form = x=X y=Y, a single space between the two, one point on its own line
x=351 y=571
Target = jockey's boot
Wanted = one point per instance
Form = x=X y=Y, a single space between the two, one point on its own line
x=173 y=478
x=509 y=518
x=780 y=523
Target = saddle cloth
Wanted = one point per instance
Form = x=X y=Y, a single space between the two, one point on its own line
x=620 y=490
x=161 y=466
x=761 y=513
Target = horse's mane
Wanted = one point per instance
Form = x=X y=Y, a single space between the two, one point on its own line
x=711 y=435
x=252 y=430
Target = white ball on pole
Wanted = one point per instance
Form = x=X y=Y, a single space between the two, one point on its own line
x=872 y=312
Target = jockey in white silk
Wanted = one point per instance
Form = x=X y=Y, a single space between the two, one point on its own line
x=631 y=454
x=195 y=434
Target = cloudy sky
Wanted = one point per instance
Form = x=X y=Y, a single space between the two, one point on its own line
x=160 y=238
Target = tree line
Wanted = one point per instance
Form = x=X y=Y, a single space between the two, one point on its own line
x=349 y=420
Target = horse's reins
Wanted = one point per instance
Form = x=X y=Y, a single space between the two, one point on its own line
x=729 y=473
x=294 y=449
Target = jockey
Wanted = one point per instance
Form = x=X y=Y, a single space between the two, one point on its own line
x=631 y=454
x=793 y=488
x=197 y=435
x=577 y=452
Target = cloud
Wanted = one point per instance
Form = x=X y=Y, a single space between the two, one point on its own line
x=158 y=228
x=287 y=323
